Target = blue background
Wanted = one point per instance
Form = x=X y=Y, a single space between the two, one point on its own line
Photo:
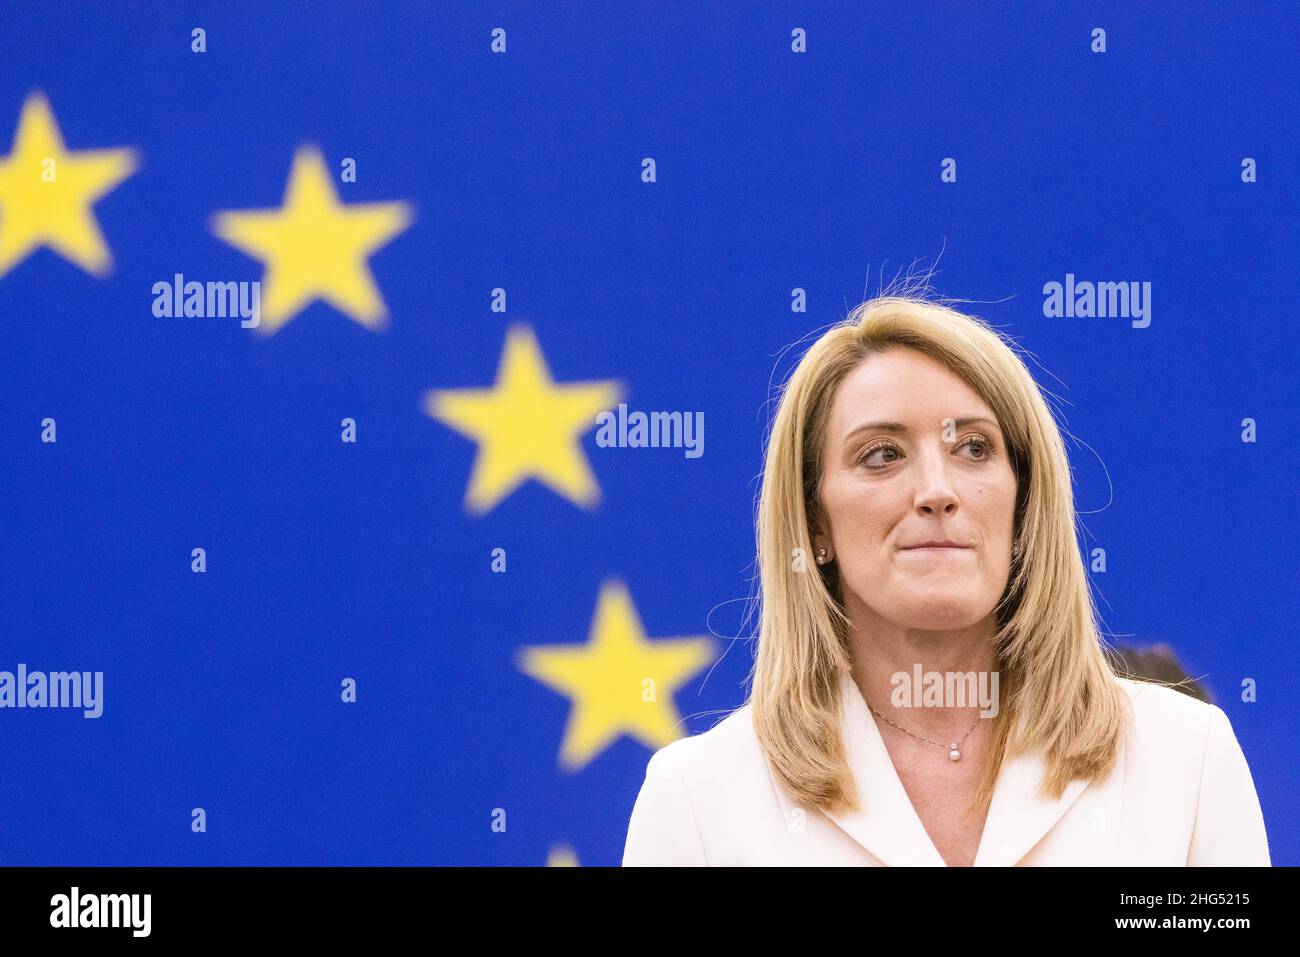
x=775 y=171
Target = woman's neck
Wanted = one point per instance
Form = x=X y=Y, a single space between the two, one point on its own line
x=934 y=683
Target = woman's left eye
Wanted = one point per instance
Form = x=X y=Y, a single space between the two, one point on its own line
x=977 y=440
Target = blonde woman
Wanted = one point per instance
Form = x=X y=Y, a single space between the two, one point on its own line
x=914 y=461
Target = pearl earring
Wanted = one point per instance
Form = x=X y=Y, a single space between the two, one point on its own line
x=821 y=556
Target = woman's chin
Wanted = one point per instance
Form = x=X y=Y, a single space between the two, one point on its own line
x=938 y=613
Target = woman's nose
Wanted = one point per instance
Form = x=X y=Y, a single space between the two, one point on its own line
x=935 y=492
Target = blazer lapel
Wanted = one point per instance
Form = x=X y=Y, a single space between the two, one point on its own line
x=885 y=822
x=1018 y=815
x=887 y=825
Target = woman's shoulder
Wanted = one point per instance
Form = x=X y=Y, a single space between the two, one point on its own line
x=1186 y=751
x=1165 y=703
x=706 y=795
x=1170 y=728
x=715 y=755
x=1169 y=722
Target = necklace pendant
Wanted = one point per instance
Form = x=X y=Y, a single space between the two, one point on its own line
x=954 y=754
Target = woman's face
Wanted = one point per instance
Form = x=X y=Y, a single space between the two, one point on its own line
x=935 y=477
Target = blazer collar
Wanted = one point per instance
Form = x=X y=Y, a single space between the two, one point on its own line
x=887 y=825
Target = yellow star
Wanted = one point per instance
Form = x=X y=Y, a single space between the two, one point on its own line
x=46 y=193
x=315 y=247
x=562 y=856
x=620 y=683
x=527 y=426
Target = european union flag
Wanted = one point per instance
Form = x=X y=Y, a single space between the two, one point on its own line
x=356 y=363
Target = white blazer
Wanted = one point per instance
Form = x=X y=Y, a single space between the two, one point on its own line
x=1180 y=794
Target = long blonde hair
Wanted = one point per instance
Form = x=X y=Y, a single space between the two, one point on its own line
x=1058 y=691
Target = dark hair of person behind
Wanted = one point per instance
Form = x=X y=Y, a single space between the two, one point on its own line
x=1158 y=663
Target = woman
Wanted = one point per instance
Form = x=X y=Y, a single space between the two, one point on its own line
x=914 y=458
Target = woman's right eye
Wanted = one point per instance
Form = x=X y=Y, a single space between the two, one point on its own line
x=870 y=450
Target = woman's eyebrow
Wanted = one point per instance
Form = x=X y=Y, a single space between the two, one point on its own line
x=899 y=427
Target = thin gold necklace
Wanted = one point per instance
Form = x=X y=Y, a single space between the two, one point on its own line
x=954 y=753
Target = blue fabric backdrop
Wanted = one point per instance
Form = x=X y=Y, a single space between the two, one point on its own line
x=522 y=171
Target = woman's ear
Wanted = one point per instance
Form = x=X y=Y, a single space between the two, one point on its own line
x=823 y=550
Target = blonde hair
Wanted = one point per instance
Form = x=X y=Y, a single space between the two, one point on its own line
x=1058 y=691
